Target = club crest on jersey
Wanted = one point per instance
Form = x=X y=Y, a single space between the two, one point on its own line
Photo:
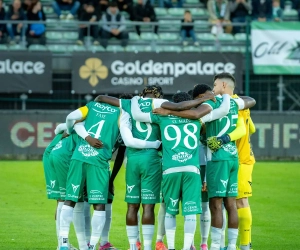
x=181 y=157
x=129 y=188
x=174 y=202
x=87 y=150
x=57 y=146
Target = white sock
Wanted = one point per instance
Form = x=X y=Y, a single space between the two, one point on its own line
x=224 y=226
x=170 y=224
x=148 y=231
x=78 y=221
x=106 y=228
x=245 y=247
x=87 y=219
x=215 y=238
x=139 y=226
x=161 y=231
x=66 y=217
x=58 y=212
x=232 y=237
x=190 y=223
x=205 y=220
x=132 y=234
x=98 y=221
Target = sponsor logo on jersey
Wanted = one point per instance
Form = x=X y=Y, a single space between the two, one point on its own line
x=52 y=183
x=233 y=188
x=190 y=206
x=87 y=150
x=19 y=67
x=231 y=149
x=174 y=202
x=104 y=108
x=57 y=146
x=129 y=188
x=182 y=157
x=146 y=191
x=250 y=183
x=93 y=70
x=144 y=105
x=224 y=182
x=75 y=187
x=95 y=192
x=62 y=189
x=148 y=194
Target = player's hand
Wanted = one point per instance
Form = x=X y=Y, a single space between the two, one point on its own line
x=161 y=111
x=111 y=187
x=215 y=143
x=65 y=135
x=209 y=96
x=204 y=187
x=95 y=143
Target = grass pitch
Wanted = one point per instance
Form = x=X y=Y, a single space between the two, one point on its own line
x=27 y=217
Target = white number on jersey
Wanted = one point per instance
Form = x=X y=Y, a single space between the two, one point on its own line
x=98 y=131
x=229 y=123
x=148 y=130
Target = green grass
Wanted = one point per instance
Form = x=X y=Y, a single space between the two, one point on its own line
x=27 y=217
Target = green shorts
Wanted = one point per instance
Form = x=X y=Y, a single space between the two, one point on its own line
x=143 y=179
x=222 y=177
x=47 y=173
x=61 y=169
x=204 y=195
x=96 y=177
x=184 y=187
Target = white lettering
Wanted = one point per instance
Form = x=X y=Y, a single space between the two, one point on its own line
x=42 y=134
x=20 y=67
x=288 y=135
x=15 y=138
x=262 y=127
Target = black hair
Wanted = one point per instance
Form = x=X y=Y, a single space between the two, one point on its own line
x=190 y=92
x=181 y=97
x=187 y=11
x=125 y=96
x=200 y=89
x=113 y=4
x=155 y=90
x=224 y=75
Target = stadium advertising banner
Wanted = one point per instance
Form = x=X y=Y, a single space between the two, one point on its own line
x=276 y=48
x=122 y=72
x=27 y=134
x=25 y=72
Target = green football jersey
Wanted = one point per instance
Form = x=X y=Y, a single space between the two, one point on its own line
x=220 y=127
x=65 y=147
x=180 y=139
x=102 y=122
x=52 y=144
x=142 y=130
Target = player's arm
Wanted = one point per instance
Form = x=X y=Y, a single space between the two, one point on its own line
x=60 y=128
x=81 y=131
x=108 y=99
x=252 y=128
x=244 y=102
x=136 y=112
x=128 y=139
x=187 y=104
x=77 y=115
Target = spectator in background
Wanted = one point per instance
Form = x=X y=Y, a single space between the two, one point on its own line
x=262 y=10
x=219 y=16
x=2 y=17
x=15 y=13
x=36 y=31
x=144 y=12
x=169 y=3
x=188 y=30
x=66 y=5
x=126 y=5
x=102 y=6
x=26 y=4
x=277 y=11
x=113 y=25
x=89 y=14
x=240 y=9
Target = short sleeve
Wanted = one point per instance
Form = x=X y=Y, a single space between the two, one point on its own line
x=156 y=103
x=125 y=104
x=210 y=103
x=155 y=118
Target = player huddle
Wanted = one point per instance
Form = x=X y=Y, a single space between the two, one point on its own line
x=194 y=151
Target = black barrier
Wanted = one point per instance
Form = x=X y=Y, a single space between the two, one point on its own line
x=27 y=134
x=129 y=72
x=25 y=72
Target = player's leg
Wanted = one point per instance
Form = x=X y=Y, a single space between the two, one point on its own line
x=230 y=202
x=223 y=239
x=244 y=211
x=87 y=221
x=171 y=191
x=133 y=199
x=216 y=185
x=205 y=218
x=74 y=188
x=161 y=231
x=104 y=242
x=150 y=194
x=97 y=180
x=191 y=205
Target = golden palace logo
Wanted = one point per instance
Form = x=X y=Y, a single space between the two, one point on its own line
x=93 y=69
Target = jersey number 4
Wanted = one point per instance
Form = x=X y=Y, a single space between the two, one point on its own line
x=98 y=126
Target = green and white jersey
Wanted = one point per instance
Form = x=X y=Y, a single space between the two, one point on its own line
x=222 y=126
x=52 y=144
x=65 y=147
x=142 y=130
x=180 y=138
x=102 y=122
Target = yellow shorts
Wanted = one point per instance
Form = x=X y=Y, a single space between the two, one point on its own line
x=245 y=181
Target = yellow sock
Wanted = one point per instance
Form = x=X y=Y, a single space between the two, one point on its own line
x=245 y=222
